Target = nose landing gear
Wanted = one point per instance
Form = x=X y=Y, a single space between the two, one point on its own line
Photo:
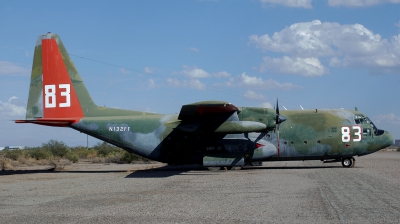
x=348 y=162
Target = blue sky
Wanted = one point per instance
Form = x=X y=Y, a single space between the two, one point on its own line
x=158 y=55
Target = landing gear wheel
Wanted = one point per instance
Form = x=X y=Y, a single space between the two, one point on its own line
x=213 y=168
x=348 y=162
x=354 y=162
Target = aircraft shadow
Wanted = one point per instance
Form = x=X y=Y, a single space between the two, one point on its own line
x=292 y=167
x=168 y=171
x=159 y=172
x=52 y=170
x=14 y=172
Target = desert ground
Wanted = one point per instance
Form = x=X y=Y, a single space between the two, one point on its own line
x=277 y=192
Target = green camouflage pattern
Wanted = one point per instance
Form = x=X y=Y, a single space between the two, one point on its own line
x=216 y=133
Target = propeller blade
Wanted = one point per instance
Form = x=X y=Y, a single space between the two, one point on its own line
x=279 y=118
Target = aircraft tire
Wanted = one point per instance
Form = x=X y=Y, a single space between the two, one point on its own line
x=348 y=162
x=354 y=162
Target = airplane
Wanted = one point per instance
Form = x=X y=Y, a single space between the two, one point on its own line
x=213 y=134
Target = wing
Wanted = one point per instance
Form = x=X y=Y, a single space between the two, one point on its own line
x=208 y=117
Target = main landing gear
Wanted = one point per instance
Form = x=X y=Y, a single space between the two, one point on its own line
x=348 y=162
x=217 y=168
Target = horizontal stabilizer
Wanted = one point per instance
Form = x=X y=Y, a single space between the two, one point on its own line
x=57 y=122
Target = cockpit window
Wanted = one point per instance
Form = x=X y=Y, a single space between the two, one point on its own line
x=360 y=119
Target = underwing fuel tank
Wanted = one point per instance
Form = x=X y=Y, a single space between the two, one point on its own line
x=240 y=127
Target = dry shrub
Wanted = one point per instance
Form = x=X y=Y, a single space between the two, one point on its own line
x=59 y=164
x=113 y=159
x=23 y=161
x=5 y=164
x=92 y=154
x=29 y=161
x=44 y=162
x=14 y=163
x=98 y=160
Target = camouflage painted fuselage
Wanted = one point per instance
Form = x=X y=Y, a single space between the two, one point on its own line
x=211 y=133
x=305 y=135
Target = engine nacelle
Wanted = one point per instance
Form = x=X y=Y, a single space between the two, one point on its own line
x=265 y=151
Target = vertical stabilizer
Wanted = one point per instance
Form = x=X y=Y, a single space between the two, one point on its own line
x=56 y=89
x=57 y=94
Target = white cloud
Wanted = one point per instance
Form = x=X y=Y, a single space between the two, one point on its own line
x=198 y=73
x=308 y=39
x=386 y=118
x=250 y=80
x=173 y=82
x=222 y=74
x=11 y=109
x=245 y=80
x=124 y=71
x=251 y=95
x=151 y=83
x=194 y=49
x=148 y=70
x=12 y=69
x=290 y=3
x=344 y=45
x=359 y=3
x=287 y=65
x=397 y=24
x=193 y=83
x=267 y=105
x=194 y=72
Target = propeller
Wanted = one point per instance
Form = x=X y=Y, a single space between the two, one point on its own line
x=279 y=118
x=278 y=121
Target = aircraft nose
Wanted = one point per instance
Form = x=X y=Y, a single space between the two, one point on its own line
x=388 y=138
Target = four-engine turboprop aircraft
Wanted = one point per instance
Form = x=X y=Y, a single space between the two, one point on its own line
x=211 y=133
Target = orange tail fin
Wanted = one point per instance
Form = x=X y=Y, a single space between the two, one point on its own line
x=59 y=96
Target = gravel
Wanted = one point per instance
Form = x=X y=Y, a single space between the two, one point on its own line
x=288 y=192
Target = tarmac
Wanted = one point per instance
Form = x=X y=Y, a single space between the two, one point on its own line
x=277 y=192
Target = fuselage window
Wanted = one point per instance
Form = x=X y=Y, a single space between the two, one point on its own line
x=366 y=131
